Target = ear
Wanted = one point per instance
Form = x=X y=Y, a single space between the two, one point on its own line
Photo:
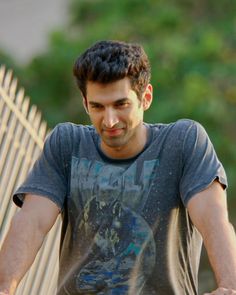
x=85 y=104
x=147 y=97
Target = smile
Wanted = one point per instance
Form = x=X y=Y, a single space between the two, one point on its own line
x=113 y=132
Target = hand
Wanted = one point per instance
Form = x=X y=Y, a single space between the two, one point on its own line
x=220 y=291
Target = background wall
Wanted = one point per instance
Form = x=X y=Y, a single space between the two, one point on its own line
x=25 y=24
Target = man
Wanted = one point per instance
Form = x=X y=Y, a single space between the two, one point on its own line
x=134 y=197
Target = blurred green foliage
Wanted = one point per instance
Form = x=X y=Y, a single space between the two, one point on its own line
x=191 y=45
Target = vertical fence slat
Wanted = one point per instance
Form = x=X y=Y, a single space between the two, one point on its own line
x=2 y=74
x=22 y=133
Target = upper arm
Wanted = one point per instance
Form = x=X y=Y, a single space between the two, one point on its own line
x=41 y=211
x=208 y=208
x=49 y=174
x=199 y=163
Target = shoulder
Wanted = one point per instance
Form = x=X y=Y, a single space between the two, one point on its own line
x=65 y=137
x=180 y=135
x=192 y=134
x=185 y=125
x=72 y=128
x=179 y=129
x=70 y=131
x=187 y=128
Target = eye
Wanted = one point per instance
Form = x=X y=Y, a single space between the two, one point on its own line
x=122 y=104
x=96 y=106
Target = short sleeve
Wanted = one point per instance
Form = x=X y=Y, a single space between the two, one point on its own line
x=200 y=164
x=48 y=175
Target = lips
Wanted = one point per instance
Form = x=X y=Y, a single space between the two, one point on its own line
x=113 y=132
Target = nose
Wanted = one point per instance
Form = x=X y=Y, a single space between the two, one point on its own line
x=110 y=118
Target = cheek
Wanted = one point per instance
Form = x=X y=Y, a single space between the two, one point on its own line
x=135 y=117
x=94 y=119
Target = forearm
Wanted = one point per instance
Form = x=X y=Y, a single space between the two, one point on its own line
x=221 y=248
x=18 y=252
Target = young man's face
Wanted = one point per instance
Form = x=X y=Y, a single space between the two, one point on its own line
x=117 y=114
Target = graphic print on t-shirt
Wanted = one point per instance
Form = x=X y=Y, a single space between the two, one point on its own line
x=114 y=246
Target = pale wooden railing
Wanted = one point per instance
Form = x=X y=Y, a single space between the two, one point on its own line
x=22 y=133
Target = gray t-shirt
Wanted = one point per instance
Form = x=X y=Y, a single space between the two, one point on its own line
x=125 y=227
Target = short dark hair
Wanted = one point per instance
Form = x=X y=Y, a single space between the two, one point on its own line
x=109 y=61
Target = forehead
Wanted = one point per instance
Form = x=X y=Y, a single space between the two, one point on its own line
x=101 y=92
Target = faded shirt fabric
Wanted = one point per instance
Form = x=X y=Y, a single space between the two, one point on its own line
x=125 y=226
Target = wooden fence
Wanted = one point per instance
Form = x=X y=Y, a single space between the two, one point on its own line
x=22 y=133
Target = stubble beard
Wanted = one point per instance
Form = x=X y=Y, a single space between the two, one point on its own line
x=121 y=141
x=115 y=142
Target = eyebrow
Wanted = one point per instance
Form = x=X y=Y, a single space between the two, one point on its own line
x=120 y=100
x=93 y=103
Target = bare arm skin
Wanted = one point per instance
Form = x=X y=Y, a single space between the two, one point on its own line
x=208 y=211
x=26 y=234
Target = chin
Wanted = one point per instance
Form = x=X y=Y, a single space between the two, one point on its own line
x=114 y=143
